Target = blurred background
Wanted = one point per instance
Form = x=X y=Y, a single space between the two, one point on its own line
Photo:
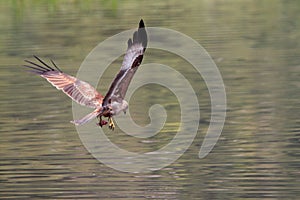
x=255 y=45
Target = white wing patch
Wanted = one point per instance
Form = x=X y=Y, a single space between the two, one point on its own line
x=132 y=53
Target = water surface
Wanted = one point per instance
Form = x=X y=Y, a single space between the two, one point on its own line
x=256 y=48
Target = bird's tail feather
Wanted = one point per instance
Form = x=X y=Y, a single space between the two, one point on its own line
x=86 y=118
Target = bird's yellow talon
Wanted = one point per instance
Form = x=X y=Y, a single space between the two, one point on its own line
x=111 y=124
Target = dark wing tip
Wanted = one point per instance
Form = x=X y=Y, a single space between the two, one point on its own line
x=142 y=34
x=139 y=36
x=36 y=57
x=141 y=24
x=42 y=67
x=53 y=63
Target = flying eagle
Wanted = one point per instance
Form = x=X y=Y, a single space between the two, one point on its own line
x=83 y=93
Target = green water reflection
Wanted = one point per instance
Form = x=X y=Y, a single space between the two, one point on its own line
x=255 y=44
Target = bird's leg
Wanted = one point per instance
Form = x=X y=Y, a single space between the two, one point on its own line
x=111 y=124
x=101 y=121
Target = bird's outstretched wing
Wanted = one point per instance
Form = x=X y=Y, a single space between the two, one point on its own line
x=132 y=59
x=80 y=91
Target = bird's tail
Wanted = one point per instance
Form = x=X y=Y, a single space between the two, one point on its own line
x=86 y=118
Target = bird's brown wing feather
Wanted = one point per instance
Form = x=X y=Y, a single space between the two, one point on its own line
x=79 y=91
x=132 y=60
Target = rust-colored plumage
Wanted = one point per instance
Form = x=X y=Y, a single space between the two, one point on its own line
x=85 y=94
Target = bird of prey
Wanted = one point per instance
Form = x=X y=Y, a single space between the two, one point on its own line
x=83 y=93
